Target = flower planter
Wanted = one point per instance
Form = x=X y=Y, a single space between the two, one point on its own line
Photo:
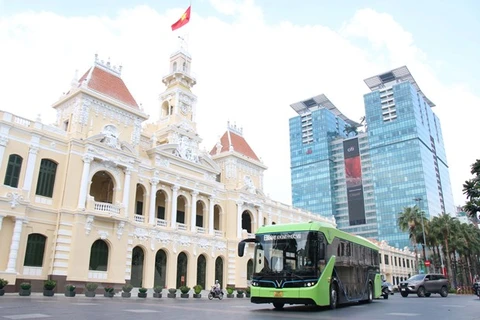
x=24 y=292
x=184 y=295
x=239 y=295
x=126 y=294
x=90 y=294
x=69 y=293
x=109 y=294
x=197 y=295
x=142 y=294
x=171 y=295
x=230 y=295
x=247 y=295
x=157 y=294
x=48 y=293
x=2 y=292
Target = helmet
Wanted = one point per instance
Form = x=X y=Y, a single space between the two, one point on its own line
x=216 y=281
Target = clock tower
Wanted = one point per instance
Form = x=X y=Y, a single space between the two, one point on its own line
x=176 y=123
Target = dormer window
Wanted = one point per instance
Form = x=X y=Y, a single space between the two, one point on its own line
x=174 y=66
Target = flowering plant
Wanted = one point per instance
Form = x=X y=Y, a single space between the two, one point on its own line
x=108 y=289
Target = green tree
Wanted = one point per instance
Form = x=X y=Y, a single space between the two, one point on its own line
x=409 y=220
x=471 y=188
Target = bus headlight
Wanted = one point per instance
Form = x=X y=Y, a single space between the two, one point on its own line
x=310 y=284
x=254 y=284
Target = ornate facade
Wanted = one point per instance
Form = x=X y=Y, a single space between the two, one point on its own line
x=102 y=196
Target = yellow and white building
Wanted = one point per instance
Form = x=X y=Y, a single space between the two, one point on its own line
x=104 y=197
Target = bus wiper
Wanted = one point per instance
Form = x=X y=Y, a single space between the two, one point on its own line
x=293 y=274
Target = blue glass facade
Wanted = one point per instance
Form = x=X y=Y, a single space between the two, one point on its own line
x=402 y=158
x=407 y=156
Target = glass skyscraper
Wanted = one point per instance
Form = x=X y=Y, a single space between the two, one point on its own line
x=365 y=179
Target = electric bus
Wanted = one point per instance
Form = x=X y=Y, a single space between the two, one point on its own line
x=311 y=263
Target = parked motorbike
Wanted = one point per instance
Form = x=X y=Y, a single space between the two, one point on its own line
x=387 y=289
x=215 y=293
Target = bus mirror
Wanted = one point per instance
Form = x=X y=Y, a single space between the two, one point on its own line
x=241 y=248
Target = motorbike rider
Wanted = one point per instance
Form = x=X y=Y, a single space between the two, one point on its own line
x=216 y=287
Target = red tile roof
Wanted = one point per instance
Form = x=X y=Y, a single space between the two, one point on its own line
x=108 y=84
x=238 y=143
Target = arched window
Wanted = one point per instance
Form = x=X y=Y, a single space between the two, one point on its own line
x=201 y=270
x=35 y=250
x=99 y=256
x=160 y=269
x=136 y=277
x=182 y=262
x=46 y=178
x=13 y=170
x=246 y=222
x=219 y=270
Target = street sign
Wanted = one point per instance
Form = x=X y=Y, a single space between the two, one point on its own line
x=427 y=263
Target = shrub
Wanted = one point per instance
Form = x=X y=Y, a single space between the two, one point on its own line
x=172 y=290
x=3 y=283
x=25 y=285
x=247 y=289
x=108 y=289
x=197 y=289
x=240 y=291
x=230 y=290
x=70 y=287
x=158 y=289
x=184 y=289
x=49 y=284
x=91 y=286
x=142 y=290
x=127 y=288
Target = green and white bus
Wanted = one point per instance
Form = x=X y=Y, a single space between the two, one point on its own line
x=312 y=263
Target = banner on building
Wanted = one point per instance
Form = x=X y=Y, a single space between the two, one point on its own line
x=353 y=175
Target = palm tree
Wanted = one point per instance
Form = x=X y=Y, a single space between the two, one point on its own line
x=409 y=221
x=443 y=225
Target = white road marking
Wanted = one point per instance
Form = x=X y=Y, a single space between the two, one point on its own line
x=403 y=314
x=141 y=310
x=27 y=316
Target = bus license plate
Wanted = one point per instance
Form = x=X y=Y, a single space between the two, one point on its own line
x=278 y=294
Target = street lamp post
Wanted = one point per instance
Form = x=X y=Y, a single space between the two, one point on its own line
x=417 y=200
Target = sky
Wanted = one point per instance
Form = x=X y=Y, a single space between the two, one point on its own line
x=252 y=59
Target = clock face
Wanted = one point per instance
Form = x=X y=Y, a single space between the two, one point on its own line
x=185 y=108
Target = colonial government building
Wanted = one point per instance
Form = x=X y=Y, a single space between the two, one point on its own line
x=104 y=197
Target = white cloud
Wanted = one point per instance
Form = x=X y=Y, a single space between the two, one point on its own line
x=248 y=72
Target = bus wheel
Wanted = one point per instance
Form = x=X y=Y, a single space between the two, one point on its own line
x=370 y=293
x=333 y=296
x=278 y=305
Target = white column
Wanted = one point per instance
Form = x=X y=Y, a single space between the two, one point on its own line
x=259 y=218
x=12 y=258
x=3 y=144
x=82 y=197
x=173 y=214
x=153 y=198
x=239 y=219
x=126 y=190
x=210 y=216
x=1 y=221
x=32 y=159
x=193 y=211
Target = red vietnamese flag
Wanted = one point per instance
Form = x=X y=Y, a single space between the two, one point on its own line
x=183 y=20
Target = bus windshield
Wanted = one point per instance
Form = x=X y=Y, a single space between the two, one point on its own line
x=300 y=253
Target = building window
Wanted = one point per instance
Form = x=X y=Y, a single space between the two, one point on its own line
x=386 y=259
x=13 y=170
x=35 y=250
x=46 y=178
x=99 y=256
